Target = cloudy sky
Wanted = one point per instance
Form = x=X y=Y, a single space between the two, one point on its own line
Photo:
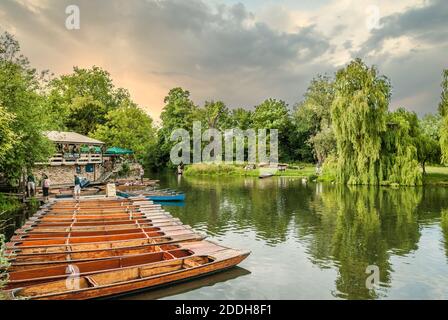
x=241 y=52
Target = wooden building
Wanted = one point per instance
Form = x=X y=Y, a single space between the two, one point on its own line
x=75 y=154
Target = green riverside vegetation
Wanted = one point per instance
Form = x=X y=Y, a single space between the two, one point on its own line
x=343 y=123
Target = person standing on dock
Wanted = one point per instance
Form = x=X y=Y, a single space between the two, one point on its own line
x=142 y=174
x=45 y=187
x=31 y=185
x=180 y=169
x=77 y=189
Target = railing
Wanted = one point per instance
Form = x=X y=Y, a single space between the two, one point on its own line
x=60 y=159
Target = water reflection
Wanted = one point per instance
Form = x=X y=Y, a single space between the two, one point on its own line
x=186 y=287
x=342 y=229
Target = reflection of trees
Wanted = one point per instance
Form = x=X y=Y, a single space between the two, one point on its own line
x=266 y=206
x=348 y=228
x=358 y=227
x=444 y=223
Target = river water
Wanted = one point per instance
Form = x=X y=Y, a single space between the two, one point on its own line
x=316 y=241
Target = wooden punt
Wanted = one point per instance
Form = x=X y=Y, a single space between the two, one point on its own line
x=92 y=234
x=70 y=228
x=92 y=223
x=97 y=211
x=81 y=234
x=98 y=222
x=17 y=250
x=123 y=275
x=28 y=262
x=77 y=213
x=92 y=217
x=86 y=240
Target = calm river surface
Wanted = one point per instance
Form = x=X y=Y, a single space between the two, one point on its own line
x=315 y=241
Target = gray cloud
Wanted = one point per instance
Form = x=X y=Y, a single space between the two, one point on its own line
x=427 y=24
x=220 y=52
x=416 y=74
x=216 y=52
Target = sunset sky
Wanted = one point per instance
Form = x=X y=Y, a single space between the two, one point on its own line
x=241 y=52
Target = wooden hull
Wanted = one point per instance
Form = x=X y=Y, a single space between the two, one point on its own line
x=127 y=280
x=99 y=248
x=16 y=250
x=83 y=234
x=27 y=262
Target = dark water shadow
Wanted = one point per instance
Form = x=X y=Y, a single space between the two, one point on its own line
x=190 y=285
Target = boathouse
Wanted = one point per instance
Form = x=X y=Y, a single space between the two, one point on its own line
x=75 y=154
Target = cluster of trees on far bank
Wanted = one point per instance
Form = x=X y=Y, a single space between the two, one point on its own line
x=85 y=101
x=343 y=121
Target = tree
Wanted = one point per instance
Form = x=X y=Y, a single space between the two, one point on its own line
x=179 y=112
x=428 y=147
x=215 y=115
x=399 y=153
x=312 y=117
x=443 y=110
x=274 y=114
x=21 y=97
x=7 y=135
x=358 y=115
x=241 y=118
x=82 y=100
x=128 y=127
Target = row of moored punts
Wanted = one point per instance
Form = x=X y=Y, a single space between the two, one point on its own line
x=103 y=247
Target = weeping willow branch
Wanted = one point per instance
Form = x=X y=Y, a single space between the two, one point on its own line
x=374 y=146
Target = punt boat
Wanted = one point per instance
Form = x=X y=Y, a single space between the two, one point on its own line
x=17 y=250
x=90 y=240
x=122 y=275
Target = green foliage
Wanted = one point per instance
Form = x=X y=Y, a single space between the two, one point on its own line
x=21 y=97
x=128 y=127
x=443 y=110
x=80 y=101
x=215 y=115
x=428 y=146
x=274 y=114
x=399 y=163
x=359 y=120
x=271 y=114
x=241 y=118
x=7 y=135
x=312 y=117
x=179 y=112
x=4 y=264
x=8 y=204
x=125 y=170
x=202 y=169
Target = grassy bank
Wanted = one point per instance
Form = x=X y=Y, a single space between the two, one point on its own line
x=8 y=204
x=299 y=170
x=434 y=175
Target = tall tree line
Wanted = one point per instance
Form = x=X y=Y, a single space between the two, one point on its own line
x=343 y=118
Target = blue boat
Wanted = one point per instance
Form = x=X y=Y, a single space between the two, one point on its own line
x=161 y=196
x=167 y=197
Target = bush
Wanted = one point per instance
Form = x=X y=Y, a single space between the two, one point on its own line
x=4 y=264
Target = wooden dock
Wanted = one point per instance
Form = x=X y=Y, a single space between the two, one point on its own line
x=101 y=247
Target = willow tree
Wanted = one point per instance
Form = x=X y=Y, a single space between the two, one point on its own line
x=443 y=110
x=358 y=115
x=400 y=145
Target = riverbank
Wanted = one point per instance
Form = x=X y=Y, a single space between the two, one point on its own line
x=435 y=175
x=298 y=170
